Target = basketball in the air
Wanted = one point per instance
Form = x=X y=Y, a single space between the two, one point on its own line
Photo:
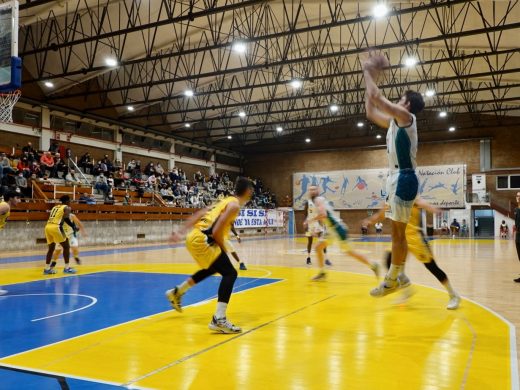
x=375 y=64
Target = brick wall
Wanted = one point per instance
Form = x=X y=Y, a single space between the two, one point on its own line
x=276 y=169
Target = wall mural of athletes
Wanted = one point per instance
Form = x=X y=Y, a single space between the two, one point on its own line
x=441 y=185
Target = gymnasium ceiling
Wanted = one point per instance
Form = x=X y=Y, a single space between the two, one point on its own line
x=467 y=53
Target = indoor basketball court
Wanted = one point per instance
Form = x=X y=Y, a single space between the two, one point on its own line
x=367 y=251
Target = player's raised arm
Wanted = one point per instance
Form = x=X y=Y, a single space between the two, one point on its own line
x=374 y=218
x=422 y=204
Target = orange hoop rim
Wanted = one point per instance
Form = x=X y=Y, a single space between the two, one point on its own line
x=15 y=92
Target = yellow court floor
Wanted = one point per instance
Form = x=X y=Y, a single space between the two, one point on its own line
x=297 y=334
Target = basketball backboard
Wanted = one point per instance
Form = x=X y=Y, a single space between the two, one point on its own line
x=10 y=63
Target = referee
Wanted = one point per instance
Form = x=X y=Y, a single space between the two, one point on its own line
x=517 y=229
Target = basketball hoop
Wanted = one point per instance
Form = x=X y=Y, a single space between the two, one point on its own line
x=7 y=102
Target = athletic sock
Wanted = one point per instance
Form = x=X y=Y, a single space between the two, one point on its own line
x=449 y=288
x=221 y=310
x=394 y=272
x=183 y=287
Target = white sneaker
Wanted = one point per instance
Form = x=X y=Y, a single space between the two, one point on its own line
x=454 y=303
x=406 y=294
x=385 y=288
x=222 y=325
x=404 y=281
x=376 y=269
x=321 y=276
x=3 y=292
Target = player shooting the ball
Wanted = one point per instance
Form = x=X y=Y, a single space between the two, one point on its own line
x=402 y=184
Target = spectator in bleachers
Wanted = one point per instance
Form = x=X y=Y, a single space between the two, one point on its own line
x=59 y=166
x=127 y=200
x=70 y=177
x=159 y=169
x=86 y=163
x=5 y=165
x=151 y=183
x=131 y=166
x=47 y=162
x=167 y=194
x=35 y=169
x=24 y=166
x=108 y=163
x=149 y=169
x=102 y=184
x=87 y=199
x=29 y=149
x=110 y=182
x=21 y=183
x=55 y=147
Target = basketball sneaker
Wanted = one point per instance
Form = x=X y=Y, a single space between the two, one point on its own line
x=404 y=281
x=69 y=270
x=454 y=302
x=328 y=263
x=516 y=280
x=385 y=288
x=243 y=267
x=3 y=292
x=321 y=276
x=406 y=294
x=376 y=269
x=50 y=271
x=175 y=297
x=222 y=325
x=309 y=261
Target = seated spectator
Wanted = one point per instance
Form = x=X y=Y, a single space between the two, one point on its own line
x=464 y=229
x=110 y=181
x=149 y=169
x=24 y=166
x=5 y=165
x=131 y=166
x=71 y=178
x=87 y=199
x=504 y=230
x=59 y=166
x=85 y=163
x=21 y=183
x=152 y=182
x=110 y=198
x=47 y=162
x=108 y=163
x=379 y=228
x=159 y=169
x=167 y=194
x=127 y=200
x=102 y=184
x=454 y=228
x=445 y=230
x=35 y=169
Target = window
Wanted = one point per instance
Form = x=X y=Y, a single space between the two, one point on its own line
x=81 y=128
x=26 y=117
x=508 y=182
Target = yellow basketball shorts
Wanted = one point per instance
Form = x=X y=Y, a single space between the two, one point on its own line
x=201 y=251
x=417 y=245
x=53 y=234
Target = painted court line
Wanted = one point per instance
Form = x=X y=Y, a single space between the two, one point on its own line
x=92 y=303
x=179 y=361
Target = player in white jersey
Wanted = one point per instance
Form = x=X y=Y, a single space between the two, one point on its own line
x=71 y=232
x=313 y=229
x=402 y=183
x=336 y=231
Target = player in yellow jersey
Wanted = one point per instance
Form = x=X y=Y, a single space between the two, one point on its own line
x=11 y=199
x=206 y=231
x=55 y=234
x=71 y=232
x=418 y=246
